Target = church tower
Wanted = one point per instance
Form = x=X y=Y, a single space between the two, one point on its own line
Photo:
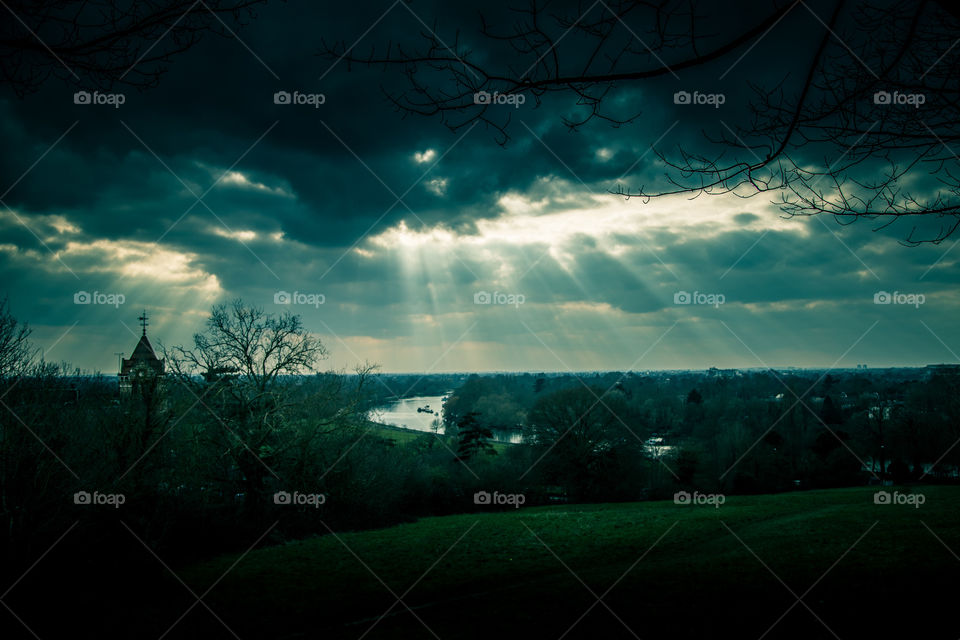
x=143 y=364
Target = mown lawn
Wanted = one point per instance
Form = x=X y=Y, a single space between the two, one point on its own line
x=397 y=434
x=664 y=570
x=402 y=436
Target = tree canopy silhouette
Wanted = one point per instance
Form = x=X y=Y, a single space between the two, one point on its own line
x=103 y=43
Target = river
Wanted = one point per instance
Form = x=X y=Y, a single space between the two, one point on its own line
x=403 y=413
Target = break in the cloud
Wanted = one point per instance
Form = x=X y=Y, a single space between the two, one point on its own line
x=430 y=250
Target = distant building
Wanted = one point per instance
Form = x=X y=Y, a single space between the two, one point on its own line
x=142 y=365
x=714 y=372
x=942 y=370
x=845 y=401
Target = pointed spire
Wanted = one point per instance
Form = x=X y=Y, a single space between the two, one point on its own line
x=143 y=321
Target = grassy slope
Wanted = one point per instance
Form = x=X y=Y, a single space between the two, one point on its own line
x=402 y=436
x=699 y=580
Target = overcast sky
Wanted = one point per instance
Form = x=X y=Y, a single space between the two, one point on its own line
x=202 y=189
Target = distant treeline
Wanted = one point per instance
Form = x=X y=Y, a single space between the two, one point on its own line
x=396 y=386
x=753 y=431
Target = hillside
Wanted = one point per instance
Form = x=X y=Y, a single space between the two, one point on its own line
x=667 y=571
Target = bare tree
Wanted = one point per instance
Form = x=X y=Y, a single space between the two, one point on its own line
x=257 y=346
x=330 y=417
x=834 y=139
x=32 y=481
x=16 y=352
x=235 y=368
x=105 y=42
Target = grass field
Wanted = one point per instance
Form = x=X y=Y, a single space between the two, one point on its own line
x=663 y=571
x=401 y=436
x=397 y=434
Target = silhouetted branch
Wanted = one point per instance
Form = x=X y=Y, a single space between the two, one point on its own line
x=878 y=97
x=99 y=44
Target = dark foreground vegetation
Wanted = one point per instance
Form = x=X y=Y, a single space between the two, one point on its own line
x=751 y=431
x=240 y=450
x=663 y=570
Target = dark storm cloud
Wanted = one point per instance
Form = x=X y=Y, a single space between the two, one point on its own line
x=217 y=101
x=310 y=206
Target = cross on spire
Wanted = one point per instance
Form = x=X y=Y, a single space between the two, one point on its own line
x=143 y=322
